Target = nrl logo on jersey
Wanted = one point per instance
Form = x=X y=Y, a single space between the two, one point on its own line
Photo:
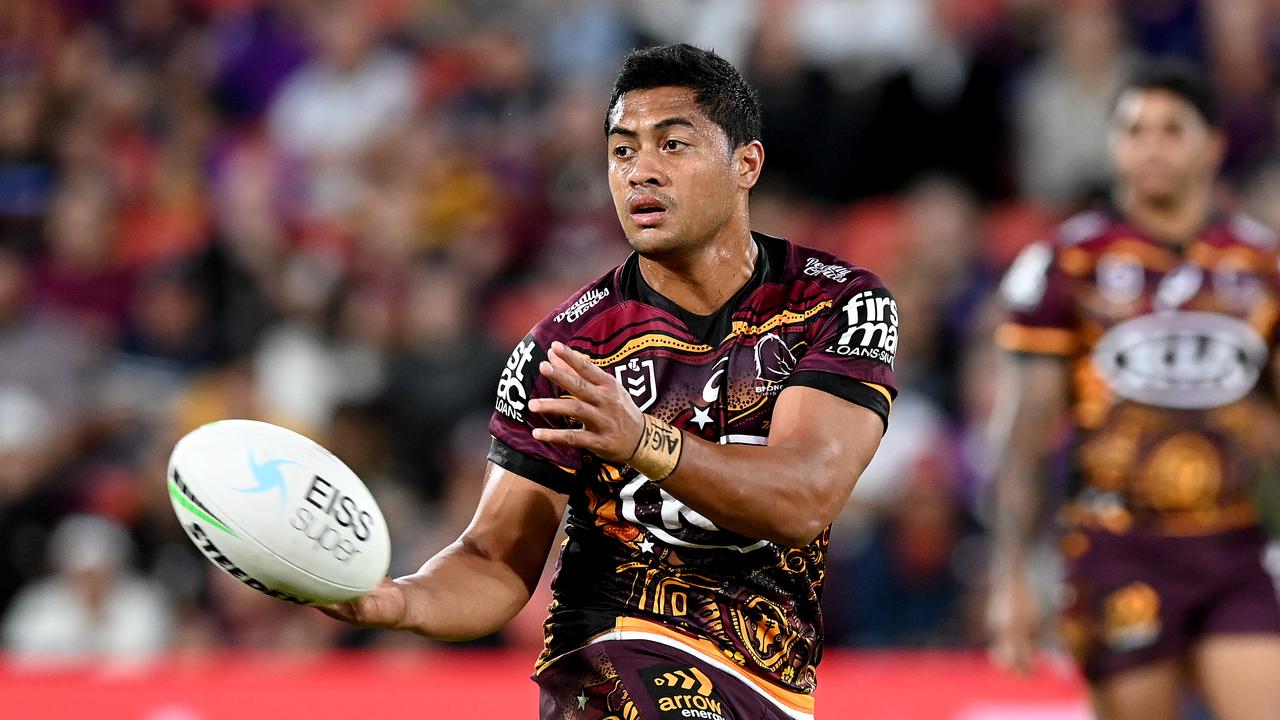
x=813 y=267
x=774 y=363
x=638 y=379
x=513 y=390
x=580 y=306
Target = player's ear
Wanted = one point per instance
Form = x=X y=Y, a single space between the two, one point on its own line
x=749 y=159
x=1217 y=148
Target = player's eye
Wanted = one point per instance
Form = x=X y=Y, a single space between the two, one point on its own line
x=673 y=144
x=622 y=151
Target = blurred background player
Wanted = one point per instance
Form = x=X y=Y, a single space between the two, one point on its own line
x=1154 y=323
x=704 y=411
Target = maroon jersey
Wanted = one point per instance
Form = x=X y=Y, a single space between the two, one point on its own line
x=1167 y=345
x=638 y=562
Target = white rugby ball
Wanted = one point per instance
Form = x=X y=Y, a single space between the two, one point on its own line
x=278 y=512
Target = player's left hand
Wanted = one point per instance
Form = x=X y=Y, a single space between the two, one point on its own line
x=611 y=422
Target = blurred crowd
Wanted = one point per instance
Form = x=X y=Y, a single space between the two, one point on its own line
x=339 y=216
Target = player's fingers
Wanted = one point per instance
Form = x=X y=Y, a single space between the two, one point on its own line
x=562 y=374
x=579 y=362
x=338 y=611
x=574 y=437
x=566 y=407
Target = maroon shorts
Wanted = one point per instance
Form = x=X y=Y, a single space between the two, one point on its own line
x=1136 y=599
x=643 y=680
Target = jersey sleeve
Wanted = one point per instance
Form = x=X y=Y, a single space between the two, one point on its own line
x=1040 y=317
x=514 y=447
x=852 y=351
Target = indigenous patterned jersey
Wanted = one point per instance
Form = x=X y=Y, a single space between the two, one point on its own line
x=637 y=561
x=1167 y=346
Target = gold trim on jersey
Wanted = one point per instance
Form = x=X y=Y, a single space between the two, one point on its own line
x=1263 y=317
x=1238 y=257
x=880 y=389
x=739 y=327
x=1078 y=261
x=786 y=317
x=1024 y=338
x=649 y=340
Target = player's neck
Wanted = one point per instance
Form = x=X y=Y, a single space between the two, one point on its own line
x=1178 y=222
x=703 y=281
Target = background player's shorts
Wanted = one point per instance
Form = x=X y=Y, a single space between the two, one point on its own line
x=1135 y=599
x=642 y=680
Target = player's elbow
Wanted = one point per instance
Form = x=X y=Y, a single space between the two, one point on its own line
x=798 y=534
x=806 y=512
x=801 y=521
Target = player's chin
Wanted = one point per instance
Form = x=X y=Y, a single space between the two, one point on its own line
x=652 y=240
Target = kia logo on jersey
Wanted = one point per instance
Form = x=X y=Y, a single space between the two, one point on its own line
x=1184 y=360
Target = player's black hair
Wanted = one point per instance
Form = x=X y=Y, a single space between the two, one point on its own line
x=1179 y=77
x=720 y=90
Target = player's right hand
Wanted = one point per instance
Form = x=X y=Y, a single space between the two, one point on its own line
x=384 y=607
x=1013 y=619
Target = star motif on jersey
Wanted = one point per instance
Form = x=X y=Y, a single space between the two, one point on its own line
x=582 y=700
x=646 y=545
x=701 y=416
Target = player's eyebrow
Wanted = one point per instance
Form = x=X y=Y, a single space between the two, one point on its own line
x=660 y=125
x=674 y=121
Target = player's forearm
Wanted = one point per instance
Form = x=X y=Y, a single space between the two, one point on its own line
x=1031 y=400
x=781 y=494
x=1018 y=503
x=462 y=594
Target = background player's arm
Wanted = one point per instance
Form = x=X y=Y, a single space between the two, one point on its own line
x=787 y=491
x=1031 y=397
x=476 y=585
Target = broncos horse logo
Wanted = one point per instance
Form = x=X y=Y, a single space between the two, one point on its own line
x=774 y=360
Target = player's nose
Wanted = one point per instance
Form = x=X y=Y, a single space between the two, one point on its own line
x=647 y=170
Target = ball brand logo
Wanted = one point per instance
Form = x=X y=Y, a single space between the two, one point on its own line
x=268 y=477
x=211 y=551
x=1184 y=360
x=580 y=306
x=512 y=392
x=332 y=506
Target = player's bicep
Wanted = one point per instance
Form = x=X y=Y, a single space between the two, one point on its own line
x=836 y=436
x=515 y=522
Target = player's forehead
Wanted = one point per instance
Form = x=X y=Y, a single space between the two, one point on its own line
x=1137 y=106
x=649 y=108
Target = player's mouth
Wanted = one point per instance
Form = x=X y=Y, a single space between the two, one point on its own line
x=646 y=210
